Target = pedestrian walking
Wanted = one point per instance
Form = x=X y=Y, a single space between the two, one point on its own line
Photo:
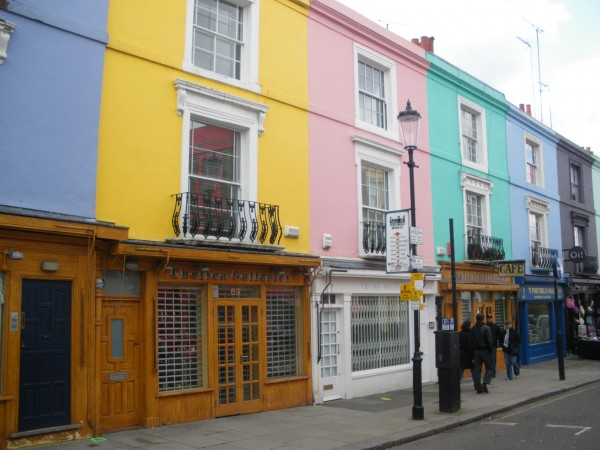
x=481 y=341
x=510 y=348
x=496 y=332
x=466 y=350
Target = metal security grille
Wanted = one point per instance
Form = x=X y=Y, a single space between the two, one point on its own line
x=179 y=339
x=282 y=333
x=380 y=332
x=500 y=309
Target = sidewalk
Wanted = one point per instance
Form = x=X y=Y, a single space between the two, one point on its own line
x=374 y=422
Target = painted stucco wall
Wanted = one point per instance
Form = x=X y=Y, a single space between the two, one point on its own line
x=50 y=87
x=334 y=183
x=596 y=191
x=518 y=127
x=446 y=84
x=141 y=133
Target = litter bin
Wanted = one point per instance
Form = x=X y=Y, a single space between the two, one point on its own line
x=447 y=361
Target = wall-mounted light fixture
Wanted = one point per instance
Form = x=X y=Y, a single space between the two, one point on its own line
x=132 y=265
x=6 y=29
x=50 y=266
x=15 y=254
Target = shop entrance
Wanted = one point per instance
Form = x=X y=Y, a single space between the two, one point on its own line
x=238 y=346
x=120 y=364
x=330 y=380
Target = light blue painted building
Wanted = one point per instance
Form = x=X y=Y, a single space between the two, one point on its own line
x=536 y=225
x=50 y=90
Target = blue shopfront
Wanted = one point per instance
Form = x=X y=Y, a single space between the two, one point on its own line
x=540 y=298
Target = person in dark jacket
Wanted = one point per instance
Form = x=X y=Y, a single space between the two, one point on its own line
x=464 y=344
x=510 y=346
x=496 y=332
x=481 y=341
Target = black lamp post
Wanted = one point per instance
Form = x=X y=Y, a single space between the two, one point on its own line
x=409 y=125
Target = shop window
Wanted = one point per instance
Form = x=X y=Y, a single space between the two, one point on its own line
x=181 y=339
x=117 y=282
x=380 y=332
x=284 y=332
x=538 y=319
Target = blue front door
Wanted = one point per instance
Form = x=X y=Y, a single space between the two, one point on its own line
x=45 y=371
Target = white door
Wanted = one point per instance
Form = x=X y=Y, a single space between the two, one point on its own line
x=330 y=364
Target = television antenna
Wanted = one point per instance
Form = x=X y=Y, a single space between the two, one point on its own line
x=541 y=85
x=528 y=44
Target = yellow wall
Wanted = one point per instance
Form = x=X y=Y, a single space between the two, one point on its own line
x=140 y=132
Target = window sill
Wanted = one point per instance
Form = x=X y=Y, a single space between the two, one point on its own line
x=287 y=379
x=251 y=86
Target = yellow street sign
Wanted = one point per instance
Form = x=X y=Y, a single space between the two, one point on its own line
x=417 y=276
x=407 y=292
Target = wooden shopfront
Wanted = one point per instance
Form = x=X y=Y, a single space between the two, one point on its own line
x=479 y=289
x=190 y=334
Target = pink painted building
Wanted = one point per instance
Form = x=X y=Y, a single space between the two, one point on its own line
x=360 y=78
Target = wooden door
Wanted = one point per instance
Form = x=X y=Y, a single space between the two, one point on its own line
x=120 y=365
x=45 y=363
x=238 y=358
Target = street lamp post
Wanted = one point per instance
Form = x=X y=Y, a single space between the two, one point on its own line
x=409 y=125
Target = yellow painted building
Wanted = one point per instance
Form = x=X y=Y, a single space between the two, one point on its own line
x=203 y=156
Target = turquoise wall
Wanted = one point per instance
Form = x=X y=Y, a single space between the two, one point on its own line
x=445 y=85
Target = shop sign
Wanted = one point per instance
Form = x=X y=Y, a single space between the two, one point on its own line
x=184 y=273
x=576 y=254
x=511 y=268
x=538 y=292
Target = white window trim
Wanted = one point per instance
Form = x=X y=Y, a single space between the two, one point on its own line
x=229 y=111
x=391 y=98
x=249 y=66
x=540 y=159
x=473 y=184
x=482 y=138
x=382 y=156
x=542 y=209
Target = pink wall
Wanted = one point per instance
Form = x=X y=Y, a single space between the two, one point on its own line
x=332 y=31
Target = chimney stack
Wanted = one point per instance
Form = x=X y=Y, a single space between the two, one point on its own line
x=426 y=43
x=522 y=106
x=528 y=109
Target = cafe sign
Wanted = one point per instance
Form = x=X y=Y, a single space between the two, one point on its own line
x=511 y=268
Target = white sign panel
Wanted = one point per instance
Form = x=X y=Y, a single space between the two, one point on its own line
x=397 y=235
x=416 y=236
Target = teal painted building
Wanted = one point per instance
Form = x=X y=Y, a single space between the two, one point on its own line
x=470 y=185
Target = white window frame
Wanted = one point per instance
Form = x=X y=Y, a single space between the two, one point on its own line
x=388 y=67
x=250 y=47
x=472 y=184
x=541 y=209
x=577 y=168
x=482 y=153
x=539 y=158
x=227 y=111
x=383 y=157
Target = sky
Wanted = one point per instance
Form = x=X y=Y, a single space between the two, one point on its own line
x=545 y=53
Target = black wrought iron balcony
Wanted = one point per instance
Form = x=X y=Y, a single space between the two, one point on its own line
x=373 y=238
x=543 y=258
x=589 y=266
x=221 y=218
x=484 y=248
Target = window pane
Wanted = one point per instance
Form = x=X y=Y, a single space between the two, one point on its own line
x=538 y=322
x=284 y=332
x=117 y=282
x=380 y=332
x=116 y=338
x=218 y=37
x=181 y=316
x=375 y=193
x=371 y=97
x=214 y=160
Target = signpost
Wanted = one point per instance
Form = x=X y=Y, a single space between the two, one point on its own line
x=397 y=235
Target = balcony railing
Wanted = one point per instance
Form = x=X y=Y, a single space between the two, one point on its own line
x=543 y=258
x=484 y=248
x=220 y=218
x=373 y=238
x=589 y=266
